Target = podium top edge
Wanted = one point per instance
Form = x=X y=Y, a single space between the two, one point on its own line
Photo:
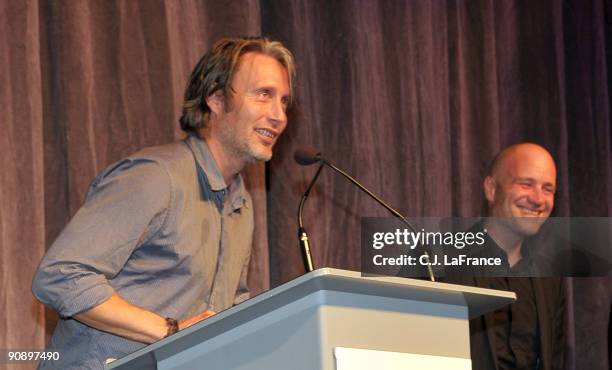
x=416 y=283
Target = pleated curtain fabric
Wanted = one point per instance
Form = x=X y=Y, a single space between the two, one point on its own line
x=413 y=98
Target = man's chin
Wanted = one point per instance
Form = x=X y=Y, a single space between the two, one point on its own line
x=529 y=225
x=259 y=156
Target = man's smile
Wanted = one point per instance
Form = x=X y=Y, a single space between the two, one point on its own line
x=529 y=211
x=268 y=135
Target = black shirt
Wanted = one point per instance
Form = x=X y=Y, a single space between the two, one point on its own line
x=517 y=343
x=516 y=326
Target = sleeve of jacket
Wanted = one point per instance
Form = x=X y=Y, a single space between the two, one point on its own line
x=559 y=327
x=125 y=206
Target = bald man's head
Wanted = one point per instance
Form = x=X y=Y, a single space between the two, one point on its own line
x=521 y=184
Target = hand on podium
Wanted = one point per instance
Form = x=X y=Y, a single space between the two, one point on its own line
x=195 y=319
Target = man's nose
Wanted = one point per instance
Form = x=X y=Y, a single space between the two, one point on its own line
x=277 y=114
x=536 y=197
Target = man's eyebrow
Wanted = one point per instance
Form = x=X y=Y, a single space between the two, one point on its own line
x=263 y=87
x=518 y=179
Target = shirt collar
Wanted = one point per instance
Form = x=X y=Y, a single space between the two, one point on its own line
x=522 y=267
x=236 y=191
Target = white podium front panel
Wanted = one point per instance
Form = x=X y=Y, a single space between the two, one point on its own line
x=367 y=359
x=302 y=334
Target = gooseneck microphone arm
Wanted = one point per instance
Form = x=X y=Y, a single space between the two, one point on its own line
x=302 y=235
x=382 y=203
x=364 y=189
x=306 y=156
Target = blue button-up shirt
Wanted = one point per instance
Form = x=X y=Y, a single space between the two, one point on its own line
x=160 y=228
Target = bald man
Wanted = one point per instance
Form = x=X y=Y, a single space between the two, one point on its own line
x=529 y=334
x=520 y=191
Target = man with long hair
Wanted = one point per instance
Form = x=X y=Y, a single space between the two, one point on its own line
x=163 y=239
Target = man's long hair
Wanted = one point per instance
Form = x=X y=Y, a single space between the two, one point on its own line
x=215 y=71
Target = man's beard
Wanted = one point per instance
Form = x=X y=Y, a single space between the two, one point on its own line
x=242 y=148
x=252 y=156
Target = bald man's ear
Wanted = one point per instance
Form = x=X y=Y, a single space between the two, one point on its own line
x=216 y=102
x=489 y=186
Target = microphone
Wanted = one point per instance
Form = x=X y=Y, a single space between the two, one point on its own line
x=308 y=155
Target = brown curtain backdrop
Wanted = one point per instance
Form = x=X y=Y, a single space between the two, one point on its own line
x=413 y=98
x=22 y=197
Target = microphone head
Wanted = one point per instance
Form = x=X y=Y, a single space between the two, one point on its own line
x=307 y=155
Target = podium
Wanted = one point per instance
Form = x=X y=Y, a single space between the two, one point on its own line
x=328 y=319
